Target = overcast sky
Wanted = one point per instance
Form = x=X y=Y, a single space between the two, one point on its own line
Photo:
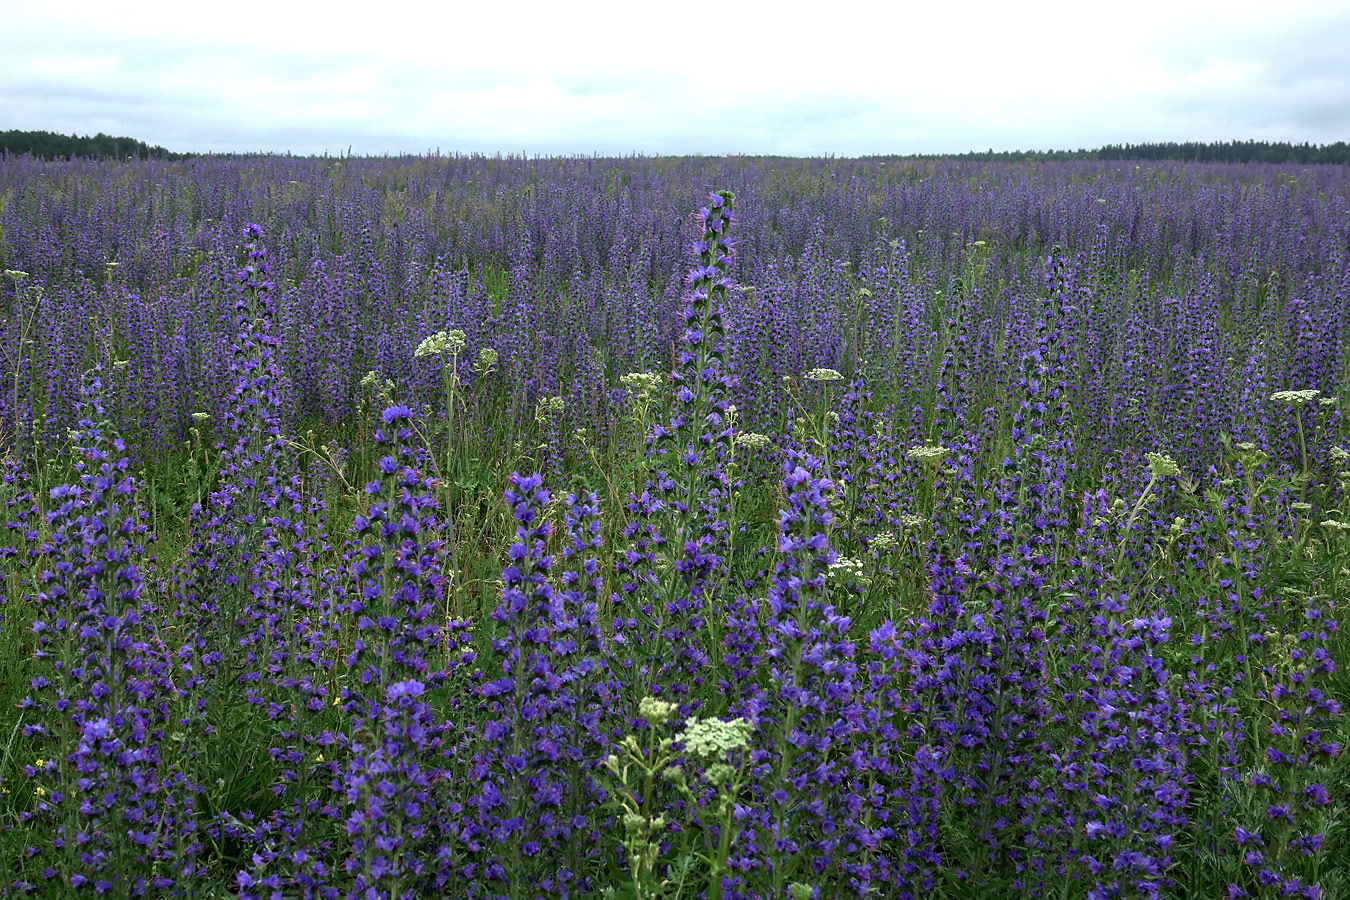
x=741 y=76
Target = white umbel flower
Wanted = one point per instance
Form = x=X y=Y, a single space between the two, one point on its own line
x=1162 y=465
x=824 y=375
x=713 y=738
x=928 y=453
x=1295 y=398
x=752 y=440
x=452 y=342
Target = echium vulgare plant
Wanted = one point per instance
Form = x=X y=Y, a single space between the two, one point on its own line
x=394 y=739
x=981 y=682
x=227 y=532
x=1005 y=778
x=1280 y=846
x=19 y=531
x=248 y=466
x=676 y=535
x=1134 y=781
x=300 y=634
x=896 y=828
x=521 y=824
x=99 y=700
x=581 y=647
x=291 y=651
x=810 y=709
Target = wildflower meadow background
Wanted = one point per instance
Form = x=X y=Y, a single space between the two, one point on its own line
x=483 y=527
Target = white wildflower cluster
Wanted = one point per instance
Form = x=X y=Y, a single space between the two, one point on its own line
x=928 y=453
x=201 y=417
x=548 y=406
x=752 y=440
x=1340 y=456
x=883 y=542
x=1333 y=525
x=1162 y=465
x=908 y=521
x=1294 y=398
x=847 y=569
x=16 y=275
x=375 y=384
x=452 y=342
x=654 y=711
x=824 y=375
x=487 y=360
x=1301 y=507
x=713 y=738
x=642 y=384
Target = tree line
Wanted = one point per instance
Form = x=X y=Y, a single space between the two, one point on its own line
x=50 y=145
x=1183 y=151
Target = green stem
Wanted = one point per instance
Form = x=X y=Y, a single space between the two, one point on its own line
x=1129 y=521
x=1303 y=455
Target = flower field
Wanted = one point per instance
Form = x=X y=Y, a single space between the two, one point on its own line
x=478 y=527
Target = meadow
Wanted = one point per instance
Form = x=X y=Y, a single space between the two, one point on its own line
x=493 y=527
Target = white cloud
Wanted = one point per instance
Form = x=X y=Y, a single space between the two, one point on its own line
x=616 y=77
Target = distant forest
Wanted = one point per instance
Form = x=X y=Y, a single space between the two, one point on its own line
x=50 y=145
x=1186 y=151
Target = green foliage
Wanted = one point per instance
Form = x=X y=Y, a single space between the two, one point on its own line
x=50 y=145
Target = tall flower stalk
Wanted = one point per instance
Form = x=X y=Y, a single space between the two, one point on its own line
x=810 y=705
x=394 y=738
x=527 y=695
x=99 y=710
x=680 y=514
